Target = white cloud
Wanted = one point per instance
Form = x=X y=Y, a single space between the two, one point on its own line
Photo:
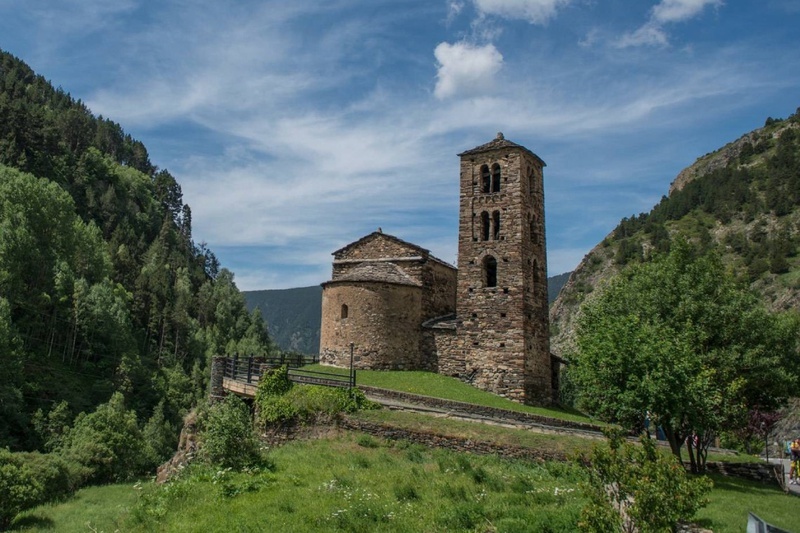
x=534 y=11
x=678 y=10
x=667 y=11
x=466 y=69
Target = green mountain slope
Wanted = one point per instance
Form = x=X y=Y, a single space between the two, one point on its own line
x=102 y=287
x=293 y=316
x=742 y=200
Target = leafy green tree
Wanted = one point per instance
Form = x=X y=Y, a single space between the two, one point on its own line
x=108 y=441
x=160 y=437
x=676 y=340
x=19 y=488
x=11 y=385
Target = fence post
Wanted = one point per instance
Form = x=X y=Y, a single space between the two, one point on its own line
x=249 y=368
x=352 y=370
x=216 y=391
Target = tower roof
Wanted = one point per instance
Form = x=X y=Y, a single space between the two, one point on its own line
x=499 y=143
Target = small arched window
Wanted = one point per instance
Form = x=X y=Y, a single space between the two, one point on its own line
x=345 y=311
x=537 y=278
x=490 y=271
x=496 y=174
x=485 y=226
x=534 y=232
x=496 y=225
x=486 y=180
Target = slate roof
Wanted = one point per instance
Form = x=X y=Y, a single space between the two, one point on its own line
x=382 y=271
x=496 y=144
x=377 y=234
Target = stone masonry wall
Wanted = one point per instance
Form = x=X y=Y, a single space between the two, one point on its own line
x=383 y=323
x=439 y=285
x=503 y=329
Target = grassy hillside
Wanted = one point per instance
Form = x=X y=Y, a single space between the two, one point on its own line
x=355 y=482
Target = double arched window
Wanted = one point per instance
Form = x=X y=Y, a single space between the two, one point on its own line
x=496 y=178
x=490 y=180
x=490 y=226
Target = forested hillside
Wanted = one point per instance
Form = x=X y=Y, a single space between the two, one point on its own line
x=102 y=288
x=742 y=200
x=293 y=316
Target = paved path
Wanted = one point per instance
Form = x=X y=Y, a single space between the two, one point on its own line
x=792 y=489
x=398 y=405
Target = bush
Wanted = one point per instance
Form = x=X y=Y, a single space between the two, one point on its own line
x=19 y=488
x=307 y=401
x=227 y=438
x=30 y=479
x=108 y=442
x=638 y=488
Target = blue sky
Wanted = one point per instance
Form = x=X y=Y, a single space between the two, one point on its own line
x=297 y=127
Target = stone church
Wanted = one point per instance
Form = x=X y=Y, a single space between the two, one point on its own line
x=485 y=322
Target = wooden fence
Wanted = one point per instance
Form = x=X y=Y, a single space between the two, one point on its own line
x=242 y=374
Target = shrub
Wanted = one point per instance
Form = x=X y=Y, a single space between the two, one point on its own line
x=108 y=442
x=28 y=479
x=227 y=438
x=19 y=488
x=638 y=488
x=307 y=401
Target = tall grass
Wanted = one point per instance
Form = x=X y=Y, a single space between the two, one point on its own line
x=357 y=483
x=360 y=483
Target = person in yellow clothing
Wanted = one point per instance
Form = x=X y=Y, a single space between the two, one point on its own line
x=794 y=449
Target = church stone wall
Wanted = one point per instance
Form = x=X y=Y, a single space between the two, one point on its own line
x=383 y=322
x=439 y=283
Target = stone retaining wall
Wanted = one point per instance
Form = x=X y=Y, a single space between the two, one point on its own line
x=490 y=412
x=450 y=443
x=761 y=472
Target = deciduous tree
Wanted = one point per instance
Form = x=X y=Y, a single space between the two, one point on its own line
x=676 y=340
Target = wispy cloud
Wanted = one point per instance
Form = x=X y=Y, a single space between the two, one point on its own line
x=331 y=119
x=534 y=11
x=652 y=33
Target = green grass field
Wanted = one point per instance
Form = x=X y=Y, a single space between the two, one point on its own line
x=448 y=388
x=358 y=483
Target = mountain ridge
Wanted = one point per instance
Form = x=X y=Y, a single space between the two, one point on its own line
x=742 y=200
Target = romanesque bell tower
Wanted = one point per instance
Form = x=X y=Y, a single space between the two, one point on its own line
x=503 y=324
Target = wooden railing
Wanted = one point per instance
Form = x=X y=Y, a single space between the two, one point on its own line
x=242 y=374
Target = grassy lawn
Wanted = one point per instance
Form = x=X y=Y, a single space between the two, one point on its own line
x=353 y=483
x=448 y=388
x=732 y=498
x=103 y=508
x=358 y=483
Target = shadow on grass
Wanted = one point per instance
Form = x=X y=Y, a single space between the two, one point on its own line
x=735 y=484
x=32 y=521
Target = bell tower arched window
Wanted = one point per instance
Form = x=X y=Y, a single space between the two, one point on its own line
x=485 y=226
x=490 y=271
x=486 y=180
x=496 y=225
x=496 y=175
